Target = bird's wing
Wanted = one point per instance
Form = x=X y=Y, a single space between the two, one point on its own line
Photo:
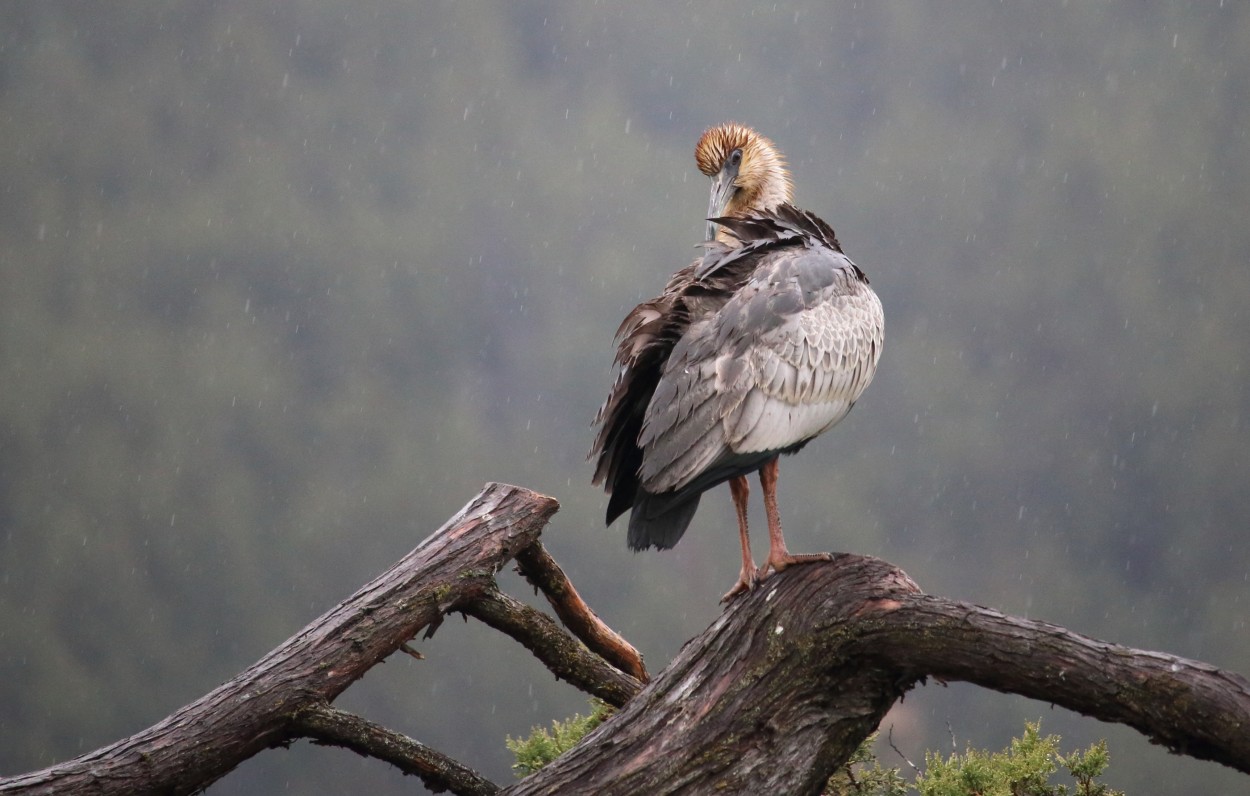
x=783 y=360
x=644 y=340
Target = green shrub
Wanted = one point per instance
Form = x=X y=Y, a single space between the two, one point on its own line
x=541 y=747
x=1025 y=768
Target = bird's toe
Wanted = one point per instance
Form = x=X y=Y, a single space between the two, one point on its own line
x=746 y=582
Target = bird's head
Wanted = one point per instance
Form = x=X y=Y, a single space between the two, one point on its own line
x=747 y=171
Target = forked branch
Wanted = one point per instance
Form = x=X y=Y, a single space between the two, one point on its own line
x=540 y=569
x=771 y=698
x=783 y=687
x=203 y=741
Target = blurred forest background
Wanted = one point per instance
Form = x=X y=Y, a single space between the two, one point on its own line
x=282 y=285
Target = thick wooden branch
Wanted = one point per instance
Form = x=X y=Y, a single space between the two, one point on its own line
x=771 y=698
x=1188 y=706
x=783 y=687
x=330 y=726
x=204 y=740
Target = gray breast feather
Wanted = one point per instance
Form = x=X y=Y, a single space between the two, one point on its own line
x=779 y=363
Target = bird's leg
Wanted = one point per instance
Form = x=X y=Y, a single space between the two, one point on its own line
x=739 y=489
x=778 y=556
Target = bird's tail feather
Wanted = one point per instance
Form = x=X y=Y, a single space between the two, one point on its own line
x=660 y=520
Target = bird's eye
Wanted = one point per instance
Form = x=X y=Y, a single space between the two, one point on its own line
x=735 y=158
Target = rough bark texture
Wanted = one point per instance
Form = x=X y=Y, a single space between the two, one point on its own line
x=206 y=739
x=565 y=656
x=326 y=725
x=771 y=698
x=783 y=687
x=1192 y=708
x=539 y=568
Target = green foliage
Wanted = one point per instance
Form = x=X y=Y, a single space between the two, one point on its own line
x=541 y=747
x=863 y=775
x=1023 y=769
x=1086 y=767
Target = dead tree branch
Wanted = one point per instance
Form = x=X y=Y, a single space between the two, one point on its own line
x=783 y=687
x=1190 y=707
x=771 y=698
x=333 y=727
x=206 y=739
x=562 y=654
x=540 y=569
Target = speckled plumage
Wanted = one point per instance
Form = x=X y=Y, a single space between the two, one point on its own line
x=760 y=355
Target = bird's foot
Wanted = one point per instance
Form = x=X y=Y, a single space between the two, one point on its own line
x=778 y=561
x=746 y=582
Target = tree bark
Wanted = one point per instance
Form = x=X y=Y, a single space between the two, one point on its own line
x=771 y=698
x=201 y=742
x=326 y=725
x=787 y=683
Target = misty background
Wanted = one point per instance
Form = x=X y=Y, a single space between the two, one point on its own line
x=282 y=285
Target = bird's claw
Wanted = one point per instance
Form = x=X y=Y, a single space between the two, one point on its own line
x=747 y=580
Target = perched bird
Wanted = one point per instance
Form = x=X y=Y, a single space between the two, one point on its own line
x=750 y=352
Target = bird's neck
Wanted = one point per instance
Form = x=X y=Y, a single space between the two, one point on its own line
x=766 y=195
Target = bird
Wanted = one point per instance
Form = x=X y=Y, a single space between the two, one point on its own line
x=751 y=351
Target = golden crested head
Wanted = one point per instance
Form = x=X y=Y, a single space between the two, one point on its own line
x=761 y=181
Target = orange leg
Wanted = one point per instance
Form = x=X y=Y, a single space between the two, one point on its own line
x=739 y=489
x=778 y=556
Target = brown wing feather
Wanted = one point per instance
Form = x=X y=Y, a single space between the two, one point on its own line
x=645 y=339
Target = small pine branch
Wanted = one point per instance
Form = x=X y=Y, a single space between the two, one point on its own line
x=1025 y=768
x=863 y=775
x=1088 y=766
x=541 y=747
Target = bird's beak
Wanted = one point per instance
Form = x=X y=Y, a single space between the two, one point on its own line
x=722 y=191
